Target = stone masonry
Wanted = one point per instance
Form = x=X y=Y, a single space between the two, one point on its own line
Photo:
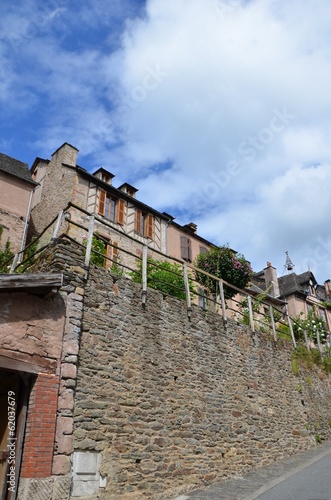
x=55 y=482
x=172 y=403
x=161 y=404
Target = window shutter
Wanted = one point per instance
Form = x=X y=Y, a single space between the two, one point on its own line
x=109 y=251
x=115 y=250
x=102 y=202
x=120 y=211
x=150 y=226
x=138 y=221
x=189 y=250
x=183 y=247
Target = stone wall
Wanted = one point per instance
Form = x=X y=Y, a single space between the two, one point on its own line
x=152 y=404
x=58 y=183
x=164 y=404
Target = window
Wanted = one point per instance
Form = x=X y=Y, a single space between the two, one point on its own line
x=322 y=314
x=203 y=249
x=144 y=224
x=310 y=308
x=105 y=177
x=185 y=248
x=202 y=298
x=111 y=208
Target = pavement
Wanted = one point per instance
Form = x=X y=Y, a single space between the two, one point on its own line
x=259 y=481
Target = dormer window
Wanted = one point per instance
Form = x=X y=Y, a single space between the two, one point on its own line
x=103 y=175
x=111 y=208
x=105 y=178
x=130 y=192
x=128 y=189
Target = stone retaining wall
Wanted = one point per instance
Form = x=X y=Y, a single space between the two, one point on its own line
x=161 y=404
x=168 y=404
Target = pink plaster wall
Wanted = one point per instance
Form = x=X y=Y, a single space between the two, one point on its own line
x=31 y=327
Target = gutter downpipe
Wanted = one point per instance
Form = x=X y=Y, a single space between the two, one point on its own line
x=26 y=222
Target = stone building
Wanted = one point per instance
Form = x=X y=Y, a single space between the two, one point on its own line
x=118 y=212
x=61 y=181
x=16 y=188
x=301 y=292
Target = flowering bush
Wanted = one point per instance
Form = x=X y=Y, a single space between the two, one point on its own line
x=313 y=325
x=223 y=263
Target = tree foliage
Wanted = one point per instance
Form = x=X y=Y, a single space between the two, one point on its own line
x=163 y=276
x=225 y=264
x=99 y=246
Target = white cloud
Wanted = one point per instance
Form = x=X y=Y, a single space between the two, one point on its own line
x=226 y=76
x=188 y=109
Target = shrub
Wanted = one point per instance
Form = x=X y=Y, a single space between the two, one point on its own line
x=313 y=324
x=225 y=264
x=163 y=276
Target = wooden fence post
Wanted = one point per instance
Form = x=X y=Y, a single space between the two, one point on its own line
x=223 y=303
x=144 y=275
x=57 y=227
x=291 y=326
x=306 y=340
x=250 y=311
x=273 y=322
x=14 y=263
x=319 y=342
x=89 y=242
x=187 y=291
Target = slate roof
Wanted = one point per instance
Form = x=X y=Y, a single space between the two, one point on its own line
x=15 y=167
x=295 y=283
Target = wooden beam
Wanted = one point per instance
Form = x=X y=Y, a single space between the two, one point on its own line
x=12 y=362
x=27 y=282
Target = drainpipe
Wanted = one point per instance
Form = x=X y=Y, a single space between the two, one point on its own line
x=26 y=221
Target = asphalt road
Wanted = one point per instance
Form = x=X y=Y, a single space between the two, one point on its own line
x=311 y=483
x=306 y=476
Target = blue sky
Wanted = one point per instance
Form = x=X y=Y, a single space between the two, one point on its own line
x=217 y=110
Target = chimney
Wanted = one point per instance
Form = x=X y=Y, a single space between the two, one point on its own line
x=270 y=276
x=66 y=154
x=191 y=227
x=327 y=285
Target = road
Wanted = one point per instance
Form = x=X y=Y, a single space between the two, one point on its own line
x=306 y=476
